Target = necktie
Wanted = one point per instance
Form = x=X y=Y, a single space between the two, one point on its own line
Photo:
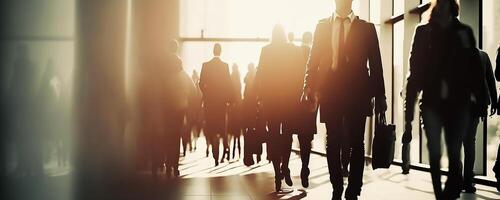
x=341 y=58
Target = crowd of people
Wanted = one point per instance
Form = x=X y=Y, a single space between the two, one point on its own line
x=37 y=123
x=338 y=71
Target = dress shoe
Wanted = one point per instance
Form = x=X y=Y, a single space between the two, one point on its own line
x=176 y=173
x=304 y=177
x=288 y=179
x=336 y=195
x=469 y=188
x=277 y=183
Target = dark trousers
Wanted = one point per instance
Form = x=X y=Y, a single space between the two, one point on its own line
x=280 y=147
x=214 y=140
x=346 y=152
x=455 y=123
x=496 y=167
x=305 y=148
x=339 y=128
x=173 y=138
x=469 y=143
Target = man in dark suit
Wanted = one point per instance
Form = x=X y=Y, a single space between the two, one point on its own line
x=215 y=84
x=337 y=71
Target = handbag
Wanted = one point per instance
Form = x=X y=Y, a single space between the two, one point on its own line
x=383 y=143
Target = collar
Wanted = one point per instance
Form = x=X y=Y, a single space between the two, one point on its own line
x=351 y=16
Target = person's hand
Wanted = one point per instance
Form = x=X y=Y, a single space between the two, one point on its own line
x=493 y=110
x=380 y=105
x=407 y=133
x=307 y=95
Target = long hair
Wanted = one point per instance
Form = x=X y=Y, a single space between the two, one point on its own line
x=434 y=8
x=279 y=35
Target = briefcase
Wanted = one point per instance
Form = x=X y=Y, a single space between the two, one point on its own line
x=383 y=143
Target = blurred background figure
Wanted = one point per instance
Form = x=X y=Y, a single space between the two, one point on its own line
x=478 y=111
x=234 y=113
x=496 y=167
x=215 y=85
x=195 y=111
x=307 y=116
x=276 y=86
x=253 y=130
x=179 y=89
x=26 y=115
x=52 y=115
x=291 y=37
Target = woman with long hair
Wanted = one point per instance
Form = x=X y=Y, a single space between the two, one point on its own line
x=276 y=93
x=444 y=65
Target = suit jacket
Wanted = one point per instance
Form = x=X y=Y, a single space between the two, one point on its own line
x=215 y=83
x=446 y=66
x=497 y=69
x=279 y=80
x=350 y=88
x=490 y=84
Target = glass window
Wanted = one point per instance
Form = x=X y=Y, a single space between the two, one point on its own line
x=398 y=7
x=45 y=30
x=194 y=54
x=375 y=11
x=398 y=76
x=242 y=18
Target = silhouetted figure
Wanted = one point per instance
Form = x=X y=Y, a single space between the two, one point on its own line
x=51 y=108
x=234 y=114
x=25 y=115
x=291 y=37
x=306 y=119
x=195 y=114
x=253 y=125
x=191 y=92
x=496 y=168
x=479 y=111
x=276 y=90
x=337 y=72
x=215 y=84
x=232 y=121
x=444 y=65
x=178 y=89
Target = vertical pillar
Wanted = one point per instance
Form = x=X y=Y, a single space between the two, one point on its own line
x=153 y=24
x=99 y=91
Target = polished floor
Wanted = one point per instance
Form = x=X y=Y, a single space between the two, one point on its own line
x=200 y=180
x=228 y=181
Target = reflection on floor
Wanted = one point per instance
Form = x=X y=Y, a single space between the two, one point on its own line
x=200 y=180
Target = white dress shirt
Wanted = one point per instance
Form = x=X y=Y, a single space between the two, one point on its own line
x=335 y=35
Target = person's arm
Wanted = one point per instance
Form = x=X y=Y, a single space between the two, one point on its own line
x=490 y=81
x=413 y=83
x=312 y=67
x=376 y=72
x=202 y=82
x=229 y=88
x=259 y=73
x=497 y=69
